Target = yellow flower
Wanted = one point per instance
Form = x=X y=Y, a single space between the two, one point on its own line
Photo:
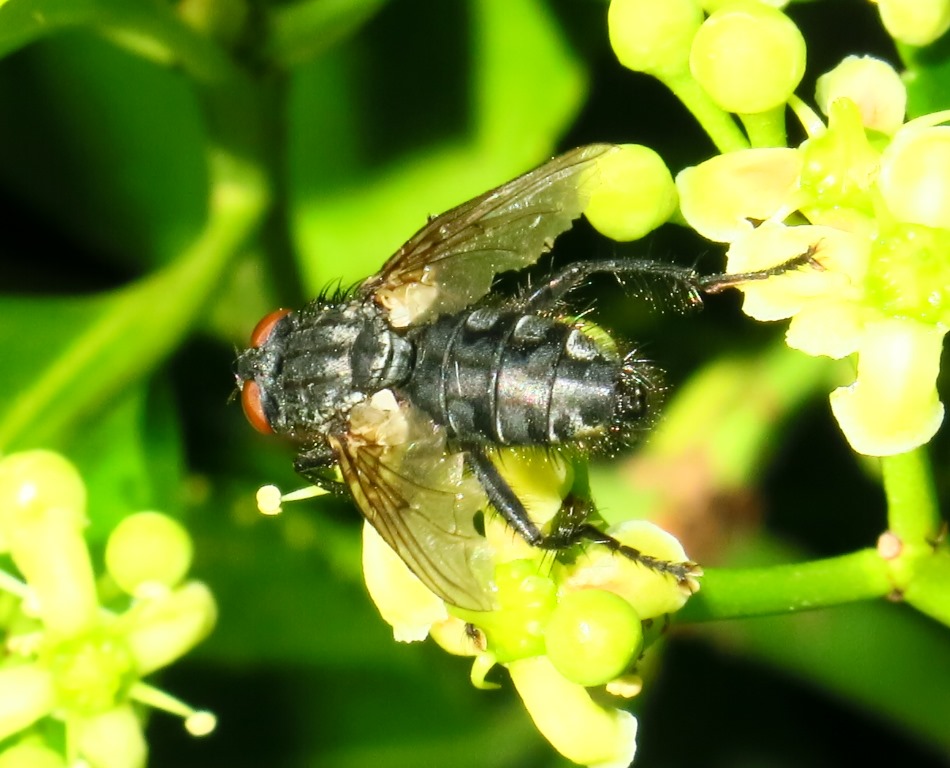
x=71 y=659
x=560 y=626
x=875 y=214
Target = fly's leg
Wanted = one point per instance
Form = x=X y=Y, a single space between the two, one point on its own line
x=502 y=498
x=685 y=572
x=571 y=524
x=722 y=281
x=316 y=465
x=573 y=275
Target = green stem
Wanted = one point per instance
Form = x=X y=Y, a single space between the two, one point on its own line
x=718 y=124
x=912 y=513
x=125 y=333
x=132 y=329
x=300 y=31
x=766 y=129
x=149 y=29
x=777 y=589
x=929 y=589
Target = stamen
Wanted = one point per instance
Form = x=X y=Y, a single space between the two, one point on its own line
x=270 y=499
x=198 y=722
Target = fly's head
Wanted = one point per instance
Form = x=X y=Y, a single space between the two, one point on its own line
x=304 y=371
x=257 y=371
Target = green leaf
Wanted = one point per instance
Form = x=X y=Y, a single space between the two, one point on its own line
x=71 y=356
x=130 y=458
x=381 y=138
x=877 y=657
x=108 y=148
x=927 y=77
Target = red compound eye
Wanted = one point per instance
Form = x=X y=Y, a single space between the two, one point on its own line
x=265 y=327
x=254 y=408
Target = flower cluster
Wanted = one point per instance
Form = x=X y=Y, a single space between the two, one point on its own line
x=866 y=194
x=871 y=198
x=77 y=649
x=561 y=626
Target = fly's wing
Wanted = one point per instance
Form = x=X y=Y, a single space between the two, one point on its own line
x=417 y=496
x=451 y=262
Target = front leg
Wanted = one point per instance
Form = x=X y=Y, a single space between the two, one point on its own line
x=317 y=464
x=687 y=279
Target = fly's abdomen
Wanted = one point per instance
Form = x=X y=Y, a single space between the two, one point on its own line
x=512 y=379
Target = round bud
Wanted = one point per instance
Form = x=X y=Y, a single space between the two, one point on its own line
x=915 y=176
x=592 y=636
x=872 y=84
x=147 y=549
x=748 y=57
x=653 y=37
x=634 y=195
x=33 y=482
x=915 y=22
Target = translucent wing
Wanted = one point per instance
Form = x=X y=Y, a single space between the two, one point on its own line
x=452 y=261
x=419 y=499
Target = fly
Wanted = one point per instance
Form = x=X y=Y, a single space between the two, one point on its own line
x=410 y=383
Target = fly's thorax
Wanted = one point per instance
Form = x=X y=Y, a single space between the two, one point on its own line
x=495 y=375
x=318 y=363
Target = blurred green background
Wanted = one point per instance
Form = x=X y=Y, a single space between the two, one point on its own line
x=123 y=298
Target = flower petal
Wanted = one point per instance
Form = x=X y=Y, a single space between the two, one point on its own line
x=31 y=753
x=403 y=601
x=720 y=196
x=842 y=258
x=113 y=739
x=892 y=406
x=576 y=726
x=43 y=510
x=26 y=695
x=830 y=328
x=164 y=628
x=650 y=593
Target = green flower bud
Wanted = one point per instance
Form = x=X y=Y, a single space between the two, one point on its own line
x=147 y=549
x=748 y=57
x=526 y=600
x=915 y=22
x=634 y=195
x=653 y=37
x=42 y=511
x=592 y=636
x=32 y=482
